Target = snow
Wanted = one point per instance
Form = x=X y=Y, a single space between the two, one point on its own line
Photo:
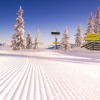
x=49 y=75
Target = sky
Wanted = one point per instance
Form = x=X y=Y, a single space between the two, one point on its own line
x=47 y=15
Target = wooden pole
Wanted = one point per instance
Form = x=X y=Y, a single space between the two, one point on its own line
x=55 y=42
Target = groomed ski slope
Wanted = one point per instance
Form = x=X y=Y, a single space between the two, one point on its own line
x=49 y=75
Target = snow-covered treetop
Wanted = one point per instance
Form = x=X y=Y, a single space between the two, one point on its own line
x=79 y=32
x=20 y=11
x=65 y=45
x=98 y=12
x=97 y=21
x=66 y=35
x=79 y=29
x=90 y=24
x=37 y=34
x=19 y=27
x=28 y=34
x=78 y=37
x=66 y=31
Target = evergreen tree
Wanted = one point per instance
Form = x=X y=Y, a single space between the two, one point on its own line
x=19 y=41
x=65 y=45
x=29 y=41
x=78 y=37
x=97 y=22
x=37 y=40
x=90 y=24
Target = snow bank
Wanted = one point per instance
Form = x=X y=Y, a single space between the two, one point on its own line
x=49 y=75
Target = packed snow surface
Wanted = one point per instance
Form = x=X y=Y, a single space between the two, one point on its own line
x=49 y=75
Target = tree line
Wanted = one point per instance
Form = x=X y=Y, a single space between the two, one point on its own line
x=20 y=42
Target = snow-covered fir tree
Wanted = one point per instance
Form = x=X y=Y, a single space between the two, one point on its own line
x=90 y=25
x=19 y=41
x=37 y=40
x=78 y=37
x=65 y=45
x=29 y=43
x=97 y=21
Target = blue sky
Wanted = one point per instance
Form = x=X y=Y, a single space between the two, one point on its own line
x=46 y=15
